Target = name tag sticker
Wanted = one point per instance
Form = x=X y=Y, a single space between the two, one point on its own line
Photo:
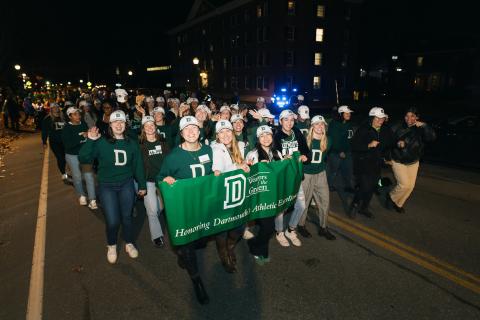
x=204 y=158
x=158 y=147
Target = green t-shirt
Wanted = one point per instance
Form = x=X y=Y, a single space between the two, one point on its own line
x=116 y=161
x=72 y=137
x=166 y=132
x=303 y=127
x=182 y=164
x=318 y=162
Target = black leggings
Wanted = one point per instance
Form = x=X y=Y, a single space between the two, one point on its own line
x=59 y=152
x=259 y=245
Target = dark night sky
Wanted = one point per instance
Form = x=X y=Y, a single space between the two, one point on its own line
x=63 y=40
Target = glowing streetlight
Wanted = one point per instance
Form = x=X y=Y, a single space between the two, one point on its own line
x=17 y=67
x=69 y=83
x=81 y=80
x=24 y=75
x=196 y=61
x=130 y=72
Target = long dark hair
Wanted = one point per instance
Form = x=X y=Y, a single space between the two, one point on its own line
x=263 y=155
x=111 y=137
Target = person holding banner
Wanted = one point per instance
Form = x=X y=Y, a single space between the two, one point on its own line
x=227 y=156
x=289 y=139
x=263 y=152
x=315 y=185
x=119 y=161
x=190 y=159
x=154 y=150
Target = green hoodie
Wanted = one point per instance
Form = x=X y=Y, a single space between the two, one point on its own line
x=117 y=161
x=182 y=164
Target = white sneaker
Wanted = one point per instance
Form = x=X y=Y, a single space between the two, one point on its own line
x=247 y=234
x=131 y=250
x=82 y=200
x=112 y=253
x=282 y=240
x=64 y=176
x=93 y=205
x=292 y=235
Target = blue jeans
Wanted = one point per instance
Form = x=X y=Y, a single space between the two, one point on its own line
x=153 y=206
x=74 y=164
x=340 y=171
x=298 y=209
x=117 y=202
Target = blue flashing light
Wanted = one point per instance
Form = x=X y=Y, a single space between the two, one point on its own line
x=284 y=98
x=294 y=89
x=273 y=99
x=283 y=90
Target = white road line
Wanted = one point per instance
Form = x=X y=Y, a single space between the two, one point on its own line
x=35 y=294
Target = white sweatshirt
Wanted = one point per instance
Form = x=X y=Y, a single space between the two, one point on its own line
x=222 y=161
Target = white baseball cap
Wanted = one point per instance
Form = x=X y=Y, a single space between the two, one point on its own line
x=377 y=112
x=317 y=119
x=304 y=112
x=147 y=119
x=160 y=99
x=121 y=95
x=263 y=129
x=118 y=115
x=225 y=108
x=343 y=109
x=236 y=117
x=261 y=99
x=71 y=110
x=223 y=124
x=158 y=109
x=188 y=120
x=204 y=108
x=234 y=106
x=265 y=113
x=287 y=113
x=300 y=97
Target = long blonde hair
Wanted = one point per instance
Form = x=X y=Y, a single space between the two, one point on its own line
x=323 y=138
x=234 y=150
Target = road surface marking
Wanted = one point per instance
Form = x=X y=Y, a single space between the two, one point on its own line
x=356 y=229
x=408 y=248
x=35 y=294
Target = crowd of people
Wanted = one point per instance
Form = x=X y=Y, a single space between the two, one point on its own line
x=118 y=145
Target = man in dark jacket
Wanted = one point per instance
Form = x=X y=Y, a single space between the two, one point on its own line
x=370 y=144
x=409 y=141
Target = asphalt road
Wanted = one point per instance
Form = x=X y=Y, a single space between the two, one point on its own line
x=421 y=265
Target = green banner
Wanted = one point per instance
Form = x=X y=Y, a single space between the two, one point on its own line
x=207 y=205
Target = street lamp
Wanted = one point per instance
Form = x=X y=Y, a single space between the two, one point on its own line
x=130 y=72
x=24 y=75
x=17 y=67
x=195 y=61
x=81 y=80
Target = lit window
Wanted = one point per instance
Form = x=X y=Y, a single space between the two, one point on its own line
x=394 y=58
x=319 y=35
x=179 y=53
x=204 y=31
x=320 y=11
x=291 y=7
x=419 y=61
x=318 y=59
x=316 y=82
x=259 y=11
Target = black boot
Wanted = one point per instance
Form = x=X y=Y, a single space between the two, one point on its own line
x=303 y=231
x=200 y=292
x=353 y=210
x=324 y=232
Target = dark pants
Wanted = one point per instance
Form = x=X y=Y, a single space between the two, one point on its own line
x=367 y=183
x=340 y=171
x=188 y=256
x=259 y=245
x=117 y=202
x=59 y=152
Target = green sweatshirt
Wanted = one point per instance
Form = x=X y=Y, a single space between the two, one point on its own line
x=153 y=154
x=318 y=162
x=304 y=127
x=72 y=137
x=249 y=141
x=52 y=129
x=340 y=134
x=116 y=161
x=166 y=133
x=182 y=164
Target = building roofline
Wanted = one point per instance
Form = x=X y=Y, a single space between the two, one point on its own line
x=218 y=11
